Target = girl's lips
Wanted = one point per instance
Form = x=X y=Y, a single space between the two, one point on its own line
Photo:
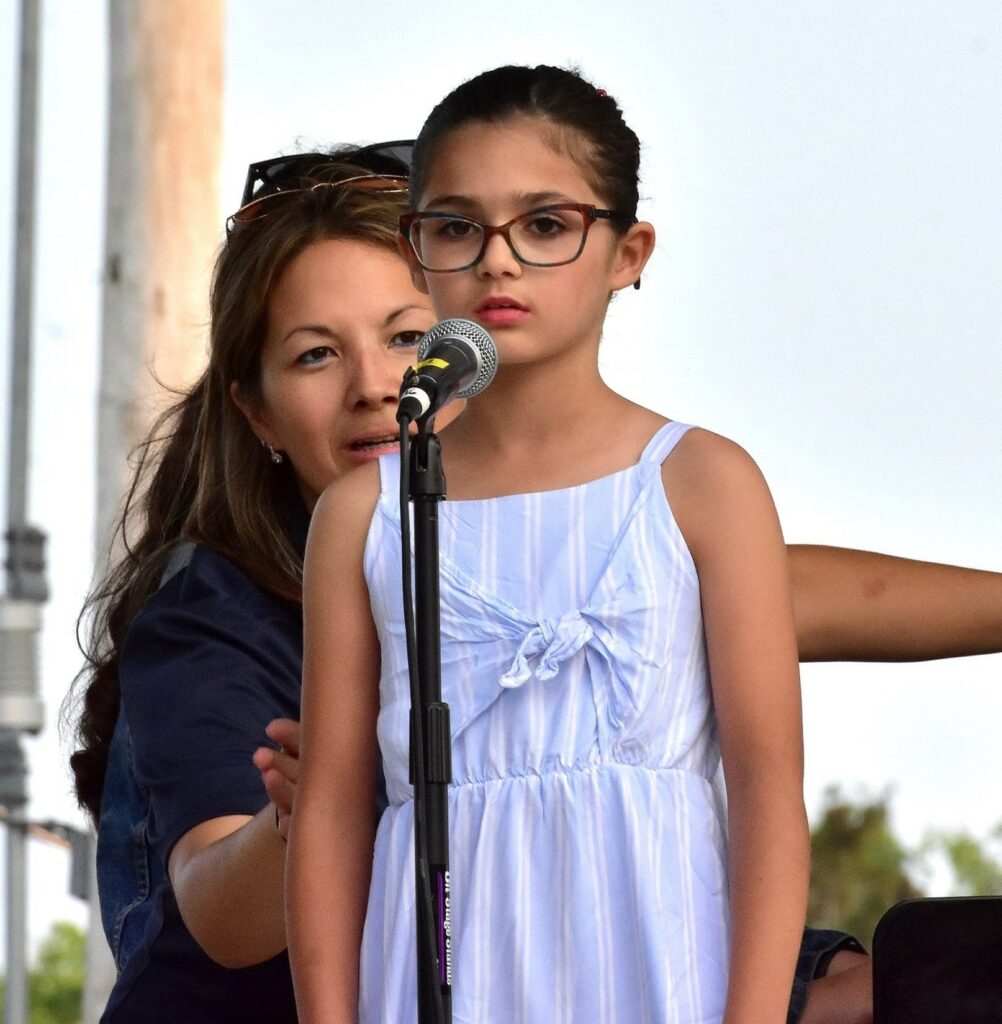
x=500 y=311
x=495 y=301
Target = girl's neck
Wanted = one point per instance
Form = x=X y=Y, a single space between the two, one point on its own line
x=533 y=430
x=538 y=404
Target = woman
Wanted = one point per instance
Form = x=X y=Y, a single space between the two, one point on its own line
x=200 y=623
x=314 y=321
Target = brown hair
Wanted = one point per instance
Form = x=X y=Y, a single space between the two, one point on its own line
x=201 y=474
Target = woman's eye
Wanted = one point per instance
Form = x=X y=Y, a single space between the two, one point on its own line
x=315 y=356
x=406 y=339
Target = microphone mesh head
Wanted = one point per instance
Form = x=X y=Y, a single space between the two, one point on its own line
x=457 y=329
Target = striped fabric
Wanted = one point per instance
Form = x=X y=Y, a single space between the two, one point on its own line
x=587 y=840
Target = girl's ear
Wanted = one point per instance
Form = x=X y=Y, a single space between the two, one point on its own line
x=417 y=274
x=258 y=423
x=632 y=254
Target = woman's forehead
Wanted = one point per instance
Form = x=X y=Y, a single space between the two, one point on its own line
x=342 y=280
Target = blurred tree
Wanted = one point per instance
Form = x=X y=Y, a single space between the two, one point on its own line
x=56 y=983
x=976 y=871
x=55 y=986
x=859 y=868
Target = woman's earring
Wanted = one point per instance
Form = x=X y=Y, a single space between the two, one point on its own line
x=276 y=456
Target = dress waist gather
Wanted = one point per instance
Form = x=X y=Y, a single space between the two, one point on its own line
x=607 y=765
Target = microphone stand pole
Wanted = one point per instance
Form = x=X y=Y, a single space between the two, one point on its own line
x=427 y=489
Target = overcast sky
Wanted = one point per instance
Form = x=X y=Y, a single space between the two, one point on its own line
x=824 y=178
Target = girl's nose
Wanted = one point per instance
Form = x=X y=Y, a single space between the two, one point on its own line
x=498 y=259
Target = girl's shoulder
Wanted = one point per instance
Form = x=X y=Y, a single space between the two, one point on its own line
x=356 y=489
x=682 y=448
x=343 y=512
x=712 y=483
x=703 y=456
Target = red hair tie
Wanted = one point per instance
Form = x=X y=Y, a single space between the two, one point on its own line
x=601 y=92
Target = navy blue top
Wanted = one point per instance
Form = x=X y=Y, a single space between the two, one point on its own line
x=210 y=660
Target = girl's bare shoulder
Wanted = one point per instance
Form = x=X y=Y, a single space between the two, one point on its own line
x=345 y=508
x=711 y=483
x=703 y=458
x=357 y=488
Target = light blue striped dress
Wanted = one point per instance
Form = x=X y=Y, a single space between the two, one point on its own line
x=587 y=838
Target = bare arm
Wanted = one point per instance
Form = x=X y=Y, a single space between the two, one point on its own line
x=862 y=606
x=332 y=831
x=726 y=514
x=228 y=878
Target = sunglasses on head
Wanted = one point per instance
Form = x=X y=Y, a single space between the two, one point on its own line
x=269 y=181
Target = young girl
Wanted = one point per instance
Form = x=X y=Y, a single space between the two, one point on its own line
x=614 y=598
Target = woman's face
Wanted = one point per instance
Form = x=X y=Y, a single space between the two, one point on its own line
x=344 y=321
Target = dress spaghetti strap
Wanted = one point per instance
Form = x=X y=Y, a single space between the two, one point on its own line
x=663 y=442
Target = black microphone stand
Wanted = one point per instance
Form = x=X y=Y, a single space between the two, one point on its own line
x=431 y=738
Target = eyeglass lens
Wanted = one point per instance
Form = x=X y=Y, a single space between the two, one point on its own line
x=542 y=238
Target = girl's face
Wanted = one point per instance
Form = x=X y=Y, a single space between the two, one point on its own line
x=344 y=321
x=492 y=173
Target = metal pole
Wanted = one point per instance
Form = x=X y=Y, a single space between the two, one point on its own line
x=24 y=248
x=14 y=796
x=20 y=708
x=16 y=994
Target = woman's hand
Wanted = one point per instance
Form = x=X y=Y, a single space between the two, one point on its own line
x=280 y=769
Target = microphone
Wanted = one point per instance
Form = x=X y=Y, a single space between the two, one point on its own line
x=458 y=359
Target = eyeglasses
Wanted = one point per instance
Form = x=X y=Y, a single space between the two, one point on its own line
x=387 y=163
x=549 y=236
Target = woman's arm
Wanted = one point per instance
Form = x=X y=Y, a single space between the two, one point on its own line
x=332 y=831
x=727 y=516
x=861 y=606
x=228 y=876
x=204 y=667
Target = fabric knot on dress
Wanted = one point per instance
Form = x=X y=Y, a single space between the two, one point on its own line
x=545 y=647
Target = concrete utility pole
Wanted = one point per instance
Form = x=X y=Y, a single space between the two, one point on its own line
x=162 y=231
x=162 y=225
x=20 y=608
